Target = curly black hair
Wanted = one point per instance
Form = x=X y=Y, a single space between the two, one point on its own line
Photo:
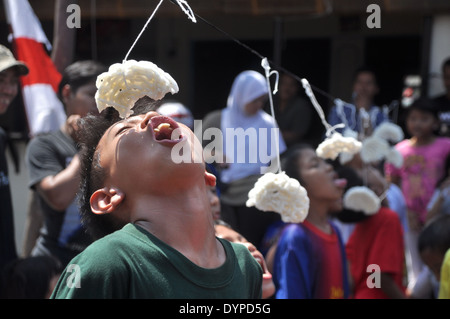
x=92 y=128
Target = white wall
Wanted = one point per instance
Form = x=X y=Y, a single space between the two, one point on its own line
x=439 y=51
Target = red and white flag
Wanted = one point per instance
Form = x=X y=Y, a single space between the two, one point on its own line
x=45 y=111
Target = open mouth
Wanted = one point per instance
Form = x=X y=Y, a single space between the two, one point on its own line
x=266 y=273
x=339 y=182
x=165 y=129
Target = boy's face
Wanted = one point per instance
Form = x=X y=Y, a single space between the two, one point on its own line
x=252 y=107
x=82 y=101
x=136 y=159
x=320 y=179
x=288 y=87
x=365 y=85
x=9 y=82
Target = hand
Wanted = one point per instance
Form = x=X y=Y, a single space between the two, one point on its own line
x=71 y=126
x=445 y=187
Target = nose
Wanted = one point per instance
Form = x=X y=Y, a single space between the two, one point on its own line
x=147 y=118
x=214 y=199
x=250 y=247
x=328 y=166
x=9 y=88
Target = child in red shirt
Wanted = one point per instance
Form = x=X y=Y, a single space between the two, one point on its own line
x=375 y=250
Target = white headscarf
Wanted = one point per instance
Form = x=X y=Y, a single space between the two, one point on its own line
x=247 y=86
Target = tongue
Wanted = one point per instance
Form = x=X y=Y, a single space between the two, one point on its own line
x=164 y=133
x=340 y=182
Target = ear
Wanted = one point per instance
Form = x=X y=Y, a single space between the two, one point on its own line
x=106 y=200
x=210 y=179
x=65 y=92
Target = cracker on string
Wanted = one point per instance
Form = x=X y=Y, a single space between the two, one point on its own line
x=124 y=83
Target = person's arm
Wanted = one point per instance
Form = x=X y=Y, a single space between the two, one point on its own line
x=436 y=201
x=291 y=265
x=63 y=37
x=389 y=287
x=388 y=252
x=293 y=277
x=435 y=206
x=59 y=190
x=394 y=179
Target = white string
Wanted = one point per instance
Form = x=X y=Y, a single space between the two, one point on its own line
x=143 y=29
x=330 y=129
x=181 y=3
x=340 y=110
x=186 y=9
x=268 y=73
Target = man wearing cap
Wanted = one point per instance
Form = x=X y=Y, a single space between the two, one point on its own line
x=10 y=71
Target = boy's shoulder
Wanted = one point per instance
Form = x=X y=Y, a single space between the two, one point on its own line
x=387 y=218
x=242 y=255
x=104 y=250
x=406 y=143
x=295 y=235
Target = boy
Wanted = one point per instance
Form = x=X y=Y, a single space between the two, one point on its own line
x=167 y=248
x=53 y=167
x=363 y=116
x=433 y=243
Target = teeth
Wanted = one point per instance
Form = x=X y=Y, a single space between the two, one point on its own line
x=163 y=125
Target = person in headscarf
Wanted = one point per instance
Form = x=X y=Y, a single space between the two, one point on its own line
x=249 y=140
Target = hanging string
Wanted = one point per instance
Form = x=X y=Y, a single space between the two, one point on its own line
x=259 y=55
x=309 y=92
x=143 y=29
x=268 y=73
x=184 y=7
x=94 y=30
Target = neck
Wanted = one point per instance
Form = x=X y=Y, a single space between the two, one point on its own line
x=184 y=222
x=363 y=103
x=422 y=140
x=318 y=216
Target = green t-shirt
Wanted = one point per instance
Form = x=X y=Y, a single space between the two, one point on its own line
x=132 y=263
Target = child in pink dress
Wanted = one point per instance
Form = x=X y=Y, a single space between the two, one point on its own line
x=424 y=156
